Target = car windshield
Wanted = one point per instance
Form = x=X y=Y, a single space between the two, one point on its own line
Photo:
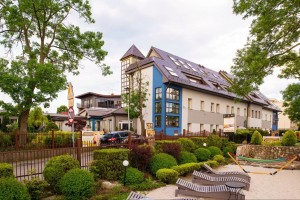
x=108 y=135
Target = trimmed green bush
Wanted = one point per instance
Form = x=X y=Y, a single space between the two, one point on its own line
x=212 y=163
x=289 y=138
x=51 y=126
x=256 y=138
x=148 y=184
x=56 y=168
x=140 y=156
x=202 y=154
x=219 y=158
x=160 y=161
x=187 y=144
x=77 y=184
x=167 y=175
x=36 y=187
x=187 y=168
x=108 y=163
x=214 y=140
x=186 y=157
x=11 y=188
x=6 y=170
x=133 y=176
x=214 y=151
x=198 y=141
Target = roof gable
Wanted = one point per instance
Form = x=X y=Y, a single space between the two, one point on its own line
x=133 y=51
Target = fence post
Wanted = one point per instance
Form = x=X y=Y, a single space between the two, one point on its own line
x=204 y=134
x=161 y=136
x=184 y=132
x=16 y=140
x=129 y=140
x=79 y=148
x=52 y=139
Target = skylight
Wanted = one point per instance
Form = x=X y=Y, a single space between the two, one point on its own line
x=215 y=75
x=171 y=71
x=184 y=64
x=175 y=61
x=192 y=67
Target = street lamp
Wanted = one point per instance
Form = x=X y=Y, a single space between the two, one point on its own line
x=125 y=164
x=128 y=90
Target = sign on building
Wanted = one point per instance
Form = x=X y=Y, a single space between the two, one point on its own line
x=229 y=123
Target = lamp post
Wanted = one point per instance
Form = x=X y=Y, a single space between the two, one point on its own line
x=128 y=90
x=125 y=164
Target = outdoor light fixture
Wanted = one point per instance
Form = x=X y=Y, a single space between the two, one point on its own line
x=204 y=144
x=125 y=164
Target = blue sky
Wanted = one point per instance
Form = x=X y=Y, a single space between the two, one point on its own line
x=205 y=32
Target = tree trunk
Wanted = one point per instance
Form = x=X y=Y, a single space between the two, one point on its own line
x=143 y=131
x=23 y=126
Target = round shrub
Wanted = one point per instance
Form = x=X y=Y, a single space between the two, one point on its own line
x=256 y=138
x=140 y=156
x=187 y=144
x=133 y=176
x=214 y=151
x=77 y=184
x=202 y=154
x=56 y=168
x=187 y=157
x=289 y=138
x=214 y=140
x=219 y=158
x=11 y=188
x=6 y=170
x=51 y=126
x=167 y=175
x=162 y=160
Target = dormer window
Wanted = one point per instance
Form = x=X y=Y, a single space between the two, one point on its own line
x=171 y=71
x=217 y=86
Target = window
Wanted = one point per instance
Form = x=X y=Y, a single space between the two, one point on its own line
x=189 y=127
x=212 y=107
x=172 y=108
x=232 y=109
x=217 y=128
x=158 y=93
x=211 y=128
x=252 y=114
x=202 y=105
x=158 y=121
x=227 y=109
x=218 y=108
x=171 y=71
x=255 y=114
x=266 y=118
x=238 y=111
x=270 y=118
x=172 y=94
x=172 y=121
x=189 y=103
x=245 y=111
x=158 y=107
x=258 y=115
x=201 y=127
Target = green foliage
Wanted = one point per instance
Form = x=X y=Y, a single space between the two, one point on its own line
x=61 y=109
x=256 y=138
x=186 y=157
x=159 y=144
x=6 y=140
x=214 y=140
x=6 y=170
x=219 y=158
x=108 y=163
x=51 y=126
x=289 y=138
x=272 y=143
x=202 y=154
x=50 y=45
x=56 y=168
x=214 y=151
x=198 y=141
x=187 y=144
x=4 y=123
x=172 y=148
x=212 y=163
x=187 y=168
x=168 y=176
x=272 y=43
x=36 y=187
x=230 y=149
x=148 y=184
x=133 y=176
x=140 y=156
x=36 y=119
x=162 y=160
x=291 y=98
x=77 y=184
x=11 y=188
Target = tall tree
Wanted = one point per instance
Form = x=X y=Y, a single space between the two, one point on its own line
x=273 y=42
x=49 y=46
x=291 y=98
x=62 y=108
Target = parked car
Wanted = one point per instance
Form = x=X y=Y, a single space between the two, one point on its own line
x=119 y=137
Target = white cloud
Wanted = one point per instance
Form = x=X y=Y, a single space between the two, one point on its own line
x=205 y=32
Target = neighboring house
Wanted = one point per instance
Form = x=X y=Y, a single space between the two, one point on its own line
x=186 y=95
x=284 y=122
x=62 y=119
x=90 y=99
x=105 y=119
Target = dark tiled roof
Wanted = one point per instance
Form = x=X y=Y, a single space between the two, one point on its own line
x=180 y=71
x=133 y=51
x=88 y=94
x=119 y=111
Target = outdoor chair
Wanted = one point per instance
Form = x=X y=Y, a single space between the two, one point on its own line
x=213 y=172
x=214 y=191
x=136 y=196
x=206 y=179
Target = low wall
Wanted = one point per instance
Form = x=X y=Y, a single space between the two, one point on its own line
x=268 y=152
